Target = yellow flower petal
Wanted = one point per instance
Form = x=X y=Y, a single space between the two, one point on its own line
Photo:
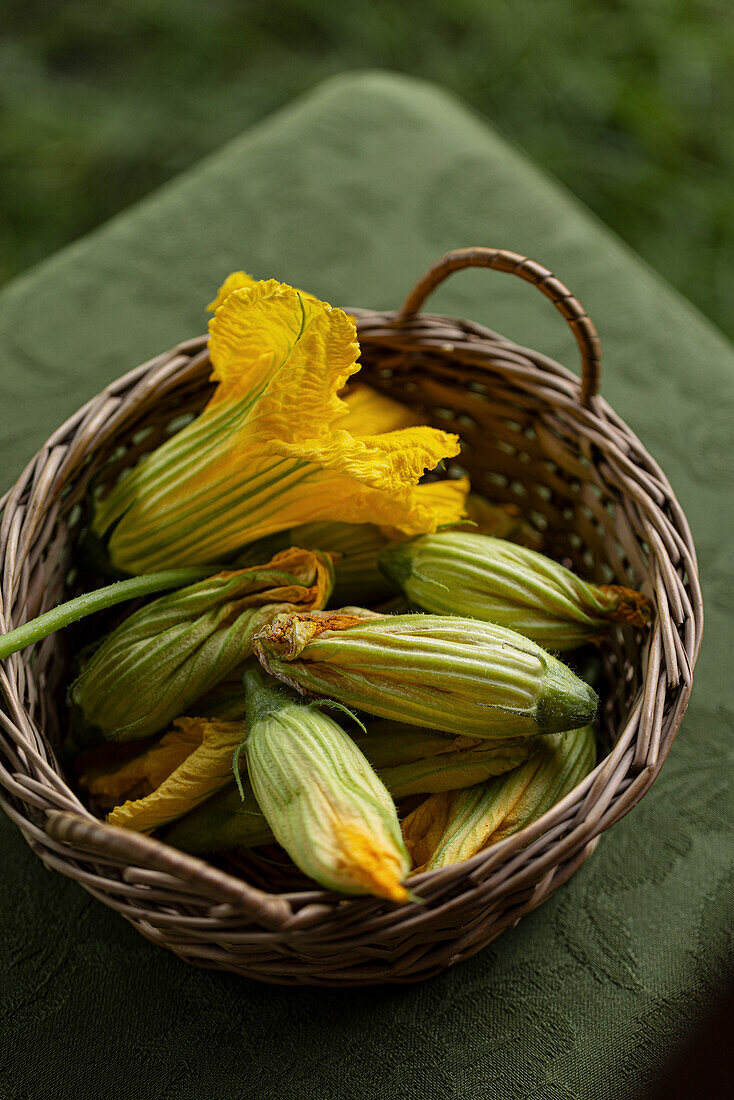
x=371 y=412
x=190 y=763
x=452 y=822
x=391 y=462
x=273 y=341
x=236 y=281
x=113 y=772
x=445 y=501
x=426 y=825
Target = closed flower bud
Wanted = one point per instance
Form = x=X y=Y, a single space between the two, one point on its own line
x=163 y=657
x=468 y=761
x=231 y=819
x=490 y=579
x=321 y=797
x=448 y=673
x=407 y=759
x=389 y=744
x=453 y=826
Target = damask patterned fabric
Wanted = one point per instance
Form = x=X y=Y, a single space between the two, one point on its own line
x=351 y=193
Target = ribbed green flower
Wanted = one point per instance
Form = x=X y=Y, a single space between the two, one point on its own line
x=408 y=760
x=411 y=760
x=487 y=578
x=453 y=826
x=163 y=657
x=443 y=672
x=320 y=796
x=232 y=819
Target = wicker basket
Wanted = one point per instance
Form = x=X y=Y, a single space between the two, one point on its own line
x=532 y=436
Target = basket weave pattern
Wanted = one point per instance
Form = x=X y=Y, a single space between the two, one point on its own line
x=533 y=436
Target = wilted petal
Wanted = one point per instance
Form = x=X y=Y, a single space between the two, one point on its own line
x=188 y=765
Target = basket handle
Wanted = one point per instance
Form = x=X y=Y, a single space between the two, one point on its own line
x=126 y=847
x=499 y=259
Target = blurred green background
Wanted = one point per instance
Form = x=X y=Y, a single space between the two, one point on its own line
x=629 y=102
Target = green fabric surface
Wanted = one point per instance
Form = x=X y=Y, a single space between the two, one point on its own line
x=351 y=192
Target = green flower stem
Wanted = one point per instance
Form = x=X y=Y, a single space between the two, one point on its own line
x=102 y=598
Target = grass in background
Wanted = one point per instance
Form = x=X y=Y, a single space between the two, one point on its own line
x=629 y=102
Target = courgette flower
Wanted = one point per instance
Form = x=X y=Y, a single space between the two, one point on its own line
x=320 y=795
x=449 y=673
x=274 y=447
x=454 y=825
x=175 y=650
x=406 y=759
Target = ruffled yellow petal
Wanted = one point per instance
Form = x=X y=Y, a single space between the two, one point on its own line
x=390 y=462
x=190 y=763
x=290 y=350
x=238 y=280
x=372 y=413
x=376 y=478
x=445 y=501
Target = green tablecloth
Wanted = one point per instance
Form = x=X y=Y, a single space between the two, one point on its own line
x=352 y=192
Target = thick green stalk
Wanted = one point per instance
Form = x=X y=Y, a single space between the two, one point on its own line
x=90 y=602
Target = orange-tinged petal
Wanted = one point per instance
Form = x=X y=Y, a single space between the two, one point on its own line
x=367 y=863
x=199 y=753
